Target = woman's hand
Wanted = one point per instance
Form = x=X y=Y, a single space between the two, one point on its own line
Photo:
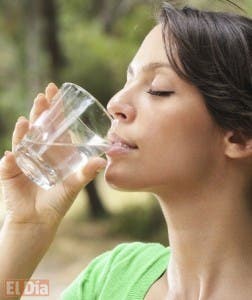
x=25 y=201
x=33 y=214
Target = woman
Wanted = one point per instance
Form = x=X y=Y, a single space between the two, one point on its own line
x=182 y=130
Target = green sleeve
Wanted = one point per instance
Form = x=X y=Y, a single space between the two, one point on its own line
x=125 y=272
x=86 y=285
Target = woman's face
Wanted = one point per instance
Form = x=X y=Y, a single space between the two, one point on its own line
x=163 y=135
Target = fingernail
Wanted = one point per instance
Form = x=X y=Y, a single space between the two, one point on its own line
x=100 y=169
x=40 y=95
x=6 y=153
x=51 y=84
x=21 y=118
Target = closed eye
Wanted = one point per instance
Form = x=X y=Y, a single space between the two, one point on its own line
x=160 y=93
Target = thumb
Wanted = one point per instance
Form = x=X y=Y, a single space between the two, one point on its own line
x=87 y=173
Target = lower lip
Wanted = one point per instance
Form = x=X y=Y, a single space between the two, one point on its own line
x=119 y=150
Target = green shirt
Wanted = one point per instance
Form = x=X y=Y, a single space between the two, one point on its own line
x=124 y=273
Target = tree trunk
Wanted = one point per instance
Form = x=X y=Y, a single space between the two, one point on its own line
x=42 y=33
x=50 y=38
x=97 y=209
x=33 y=49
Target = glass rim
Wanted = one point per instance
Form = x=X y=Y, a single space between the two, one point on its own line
x=91 y=96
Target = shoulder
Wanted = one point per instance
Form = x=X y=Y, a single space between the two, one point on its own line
x=123 y=260
x=136 y=250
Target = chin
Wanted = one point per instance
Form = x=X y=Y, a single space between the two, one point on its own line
x=116 y=177
x=123 y=181
x=118 y=183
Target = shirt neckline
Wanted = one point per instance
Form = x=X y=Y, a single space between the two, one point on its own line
x=150 y=278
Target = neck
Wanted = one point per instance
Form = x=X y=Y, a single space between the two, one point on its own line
x=210 y=233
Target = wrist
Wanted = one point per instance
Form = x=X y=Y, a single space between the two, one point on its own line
x=12 y=223
x=23 y=245
x=42 y=232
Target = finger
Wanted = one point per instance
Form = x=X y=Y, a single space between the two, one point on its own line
x=40 y=105
x=91 y=169
x=83 y=176
x=22 y=126
x=51 y=91
x=8 y=166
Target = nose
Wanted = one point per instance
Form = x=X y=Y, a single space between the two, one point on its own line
x=120 y=108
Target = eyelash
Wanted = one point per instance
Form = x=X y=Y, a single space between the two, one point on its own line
x=160 y=93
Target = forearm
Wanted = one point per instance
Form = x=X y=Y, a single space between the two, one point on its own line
x=22 y=246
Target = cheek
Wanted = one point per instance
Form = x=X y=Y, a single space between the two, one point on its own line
x=181 y=150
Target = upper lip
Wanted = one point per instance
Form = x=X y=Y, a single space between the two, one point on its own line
x=116 y=139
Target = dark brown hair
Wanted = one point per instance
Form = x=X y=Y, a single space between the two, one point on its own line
x=213 y=51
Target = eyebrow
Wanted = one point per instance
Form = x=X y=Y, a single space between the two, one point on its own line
x=149 y=67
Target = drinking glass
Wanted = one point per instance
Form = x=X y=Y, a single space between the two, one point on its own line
x=64 y=137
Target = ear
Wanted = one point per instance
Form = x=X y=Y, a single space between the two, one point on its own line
x=237 y=145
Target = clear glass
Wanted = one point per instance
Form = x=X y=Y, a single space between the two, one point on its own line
x=64 y=137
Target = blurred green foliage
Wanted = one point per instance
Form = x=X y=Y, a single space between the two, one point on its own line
x=138 y=222
x=93 y=58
